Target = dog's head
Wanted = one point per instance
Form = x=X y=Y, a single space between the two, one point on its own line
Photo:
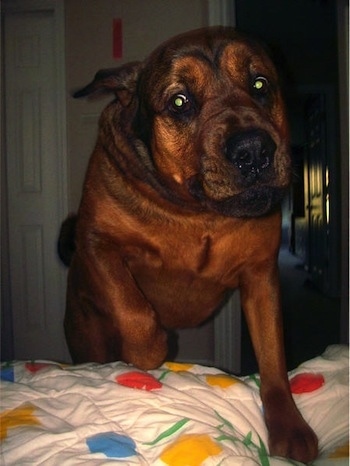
x=207 y=120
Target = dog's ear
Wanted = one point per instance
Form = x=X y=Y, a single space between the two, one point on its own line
x=121 y=81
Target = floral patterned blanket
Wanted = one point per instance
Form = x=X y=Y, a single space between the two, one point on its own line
x=178 y=415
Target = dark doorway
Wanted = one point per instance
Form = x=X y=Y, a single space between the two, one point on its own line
x=302 y=35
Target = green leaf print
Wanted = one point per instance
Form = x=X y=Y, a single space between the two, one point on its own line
x=225 y=421
x=247 y=440
x=263 y=454
x=177 y=426
x=255 y=379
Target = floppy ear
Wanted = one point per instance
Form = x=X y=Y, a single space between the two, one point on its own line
x=120 y=81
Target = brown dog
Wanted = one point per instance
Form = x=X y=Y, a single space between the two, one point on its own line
x=180 y=206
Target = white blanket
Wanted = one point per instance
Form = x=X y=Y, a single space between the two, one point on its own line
x=177 y=415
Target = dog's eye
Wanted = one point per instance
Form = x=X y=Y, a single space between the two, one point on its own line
x=180 y=103
x=260 y=85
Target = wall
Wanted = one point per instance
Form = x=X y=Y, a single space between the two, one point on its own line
x=89 y=48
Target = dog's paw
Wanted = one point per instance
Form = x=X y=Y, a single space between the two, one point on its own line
x=293 y=438
x=147 y=353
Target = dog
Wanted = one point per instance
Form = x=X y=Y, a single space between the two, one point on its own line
x=181 y=205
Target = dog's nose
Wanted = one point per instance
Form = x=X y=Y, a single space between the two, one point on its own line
x=251 y=152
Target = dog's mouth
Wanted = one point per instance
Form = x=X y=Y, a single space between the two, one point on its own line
x=252 y=202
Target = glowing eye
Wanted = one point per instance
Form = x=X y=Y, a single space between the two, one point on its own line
x=180 y=101
x=181 y=106
x=260 y=84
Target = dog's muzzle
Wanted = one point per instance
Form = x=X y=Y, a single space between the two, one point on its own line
x=252 y=153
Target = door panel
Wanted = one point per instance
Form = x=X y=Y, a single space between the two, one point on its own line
x=34 y=190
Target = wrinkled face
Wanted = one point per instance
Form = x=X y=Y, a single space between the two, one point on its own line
x=218 y=132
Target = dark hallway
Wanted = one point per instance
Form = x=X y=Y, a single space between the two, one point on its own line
x=311 y=319
x=307 y=38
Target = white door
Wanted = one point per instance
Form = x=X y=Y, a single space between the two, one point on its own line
x=34 y=154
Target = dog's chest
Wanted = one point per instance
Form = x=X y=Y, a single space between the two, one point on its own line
x=182 y=281
x=184 y=259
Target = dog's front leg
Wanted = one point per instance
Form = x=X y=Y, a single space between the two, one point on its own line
x=107 y=316
x=289 y=434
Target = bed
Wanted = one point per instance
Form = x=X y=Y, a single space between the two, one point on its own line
x=177 y=415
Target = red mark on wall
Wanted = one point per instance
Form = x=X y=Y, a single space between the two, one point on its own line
x=117 y=39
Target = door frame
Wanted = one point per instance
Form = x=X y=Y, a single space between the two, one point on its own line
x=227 y=324
x=56 y=8
x=221 y=12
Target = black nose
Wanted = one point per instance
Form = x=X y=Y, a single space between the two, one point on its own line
x=251 y=152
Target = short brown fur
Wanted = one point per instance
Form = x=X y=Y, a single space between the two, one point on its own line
x=180 y=206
